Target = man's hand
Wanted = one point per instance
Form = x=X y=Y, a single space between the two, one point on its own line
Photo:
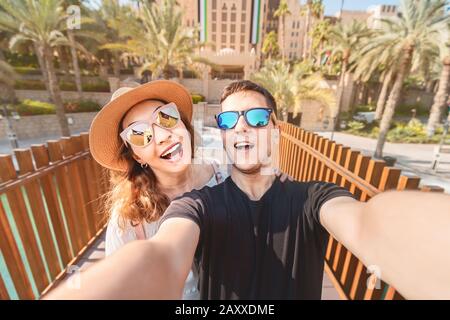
x=405 y=234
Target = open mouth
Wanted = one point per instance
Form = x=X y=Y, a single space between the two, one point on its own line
x=244 y=145
x=174 y=152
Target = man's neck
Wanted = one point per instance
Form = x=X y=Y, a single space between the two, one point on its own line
x=254 y=185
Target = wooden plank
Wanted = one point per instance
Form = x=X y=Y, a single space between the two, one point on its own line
x=432 y=188
x=11 y=254
x=20 y=215
x=320 y=145
x=40 y=155
x=297 y=155
x=66 y=196
x=3 y=292
x=86 y=187
x=33 y=192
x=94 y=188
x=74 y=174
x=312 y=169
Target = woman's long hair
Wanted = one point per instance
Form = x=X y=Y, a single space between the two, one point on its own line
x=135 y=195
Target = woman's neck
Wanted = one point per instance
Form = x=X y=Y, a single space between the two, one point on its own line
x=175 y=184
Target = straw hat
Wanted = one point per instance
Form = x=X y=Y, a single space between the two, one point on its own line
x=104 y=140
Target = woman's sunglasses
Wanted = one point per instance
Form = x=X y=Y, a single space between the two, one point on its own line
x=140 y=133
x=255 y=117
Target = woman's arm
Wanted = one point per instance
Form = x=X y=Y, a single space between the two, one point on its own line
x=150 y=269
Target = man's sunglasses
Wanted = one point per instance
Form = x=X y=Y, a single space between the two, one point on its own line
x=255 y=117
x=140 y=133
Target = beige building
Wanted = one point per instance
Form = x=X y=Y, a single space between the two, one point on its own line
x=234 y=30
x=371 y=16
x=231 y=31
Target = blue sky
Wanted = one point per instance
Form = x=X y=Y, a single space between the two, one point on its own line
x=333 y=6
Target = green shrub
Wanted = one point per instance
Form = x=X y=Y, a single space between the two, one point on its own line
x=411 y=132
x=99 y=86
x=67 y=86
x=355 y=126
x=406 y=110
x=30 y=107
x=365 y=108
x=196 y=98
x=27 y=70
x=81 y=106
x=29 y=85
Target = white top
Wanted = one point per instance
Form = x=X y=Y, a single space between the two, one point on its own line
x=116 y=237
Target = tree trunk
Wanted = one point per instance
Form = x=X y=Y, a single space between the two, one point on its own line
x=116 y=64
x=383 y=95
x=42 y=65
x=283 y=49
x=305 y=36
x=63 y=63
x=340 y=89
x=429 y=86
x=76 y=67
x=55 y=93
x=393 y=100
x=103 y=71
x=440 y=98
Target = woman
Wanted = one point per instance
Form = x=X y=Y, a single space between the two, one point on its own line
x=144 y=135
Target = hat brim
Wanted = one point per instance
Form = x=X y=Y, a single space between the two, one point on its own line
x=104 y=140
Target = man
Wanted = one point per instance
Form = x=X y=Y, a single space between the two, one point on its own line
x=255 y=237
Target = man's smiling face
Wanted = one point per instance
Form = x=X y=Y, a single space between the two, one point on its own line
x=248 y=148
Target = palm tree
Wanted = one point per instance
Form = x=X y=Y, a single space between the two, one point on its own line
x=40 y=22
x=320 y=36
x=162 y=41
x=413 y=33
x=7 y=79
x=281 y=12
x=270 y=46
x=369 y=61
x=291 y=87
x=347 y=39
x=440 y=99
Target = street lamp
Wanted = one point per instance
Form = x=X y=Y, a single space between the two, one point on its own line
x=12 y=137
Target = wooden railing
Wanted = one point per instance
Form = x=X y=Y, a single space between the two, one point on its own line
x=50 y=212
x=307 y=156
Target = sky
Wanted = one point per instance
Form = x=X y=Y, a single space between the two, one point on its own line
x=333 y=6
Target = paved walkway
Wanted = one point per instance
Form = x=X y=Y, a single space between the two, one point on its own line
x=413 y=159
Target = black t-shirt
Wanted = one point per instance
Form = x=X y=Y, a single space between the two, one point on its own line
x=272 y=248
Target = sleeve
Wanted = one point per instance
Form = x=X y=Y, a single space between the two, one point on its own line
x=117 y=237
x=320 y=192
x=189 y=206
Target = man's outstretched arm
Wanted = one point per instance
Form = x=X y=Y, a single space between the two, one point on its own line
x=148 y=269
x=405 y=234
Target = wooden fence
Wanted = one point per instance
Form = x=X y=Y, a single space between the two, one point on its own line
x=49 y=213
x=307 y=157
x=50 y=209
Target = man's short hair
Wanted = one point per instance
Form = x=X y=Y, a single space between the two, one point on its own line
x=246 y=85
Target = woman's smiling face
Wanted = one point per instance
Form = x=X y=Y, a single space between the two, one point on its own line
x=170 y=149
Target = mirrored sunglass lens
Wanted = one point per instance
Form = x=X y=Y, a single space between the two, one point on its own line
x=168 y=117
x=227 y=120
x=140 y=134
x=258 y=117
